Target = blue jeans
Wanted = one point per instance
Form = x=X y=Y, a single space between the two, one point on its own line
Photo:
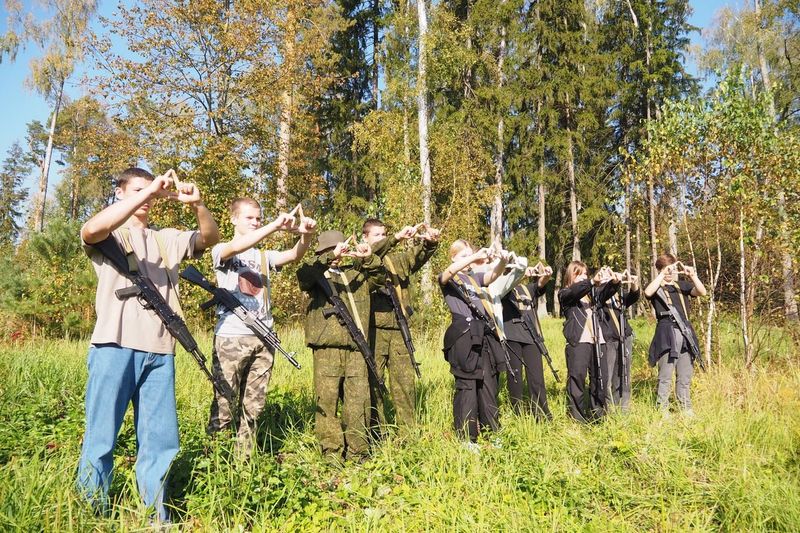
x=118 y=376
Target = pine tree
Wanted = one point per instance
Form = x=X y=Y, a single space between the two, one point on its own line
x=16 y=167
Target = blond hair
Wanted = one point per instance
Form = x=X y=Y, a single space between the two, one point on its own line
x=573 y=270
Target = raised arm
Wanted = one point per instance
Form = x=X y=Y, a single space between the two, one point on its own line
x=653 y=286
x=101 y=225
x=240 y=243
x=461 y=264
x=308 y=226
x=569 y=296
x=699 y=289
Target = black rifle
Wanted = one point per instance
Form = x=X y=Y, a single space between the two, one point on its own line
x=598 y=355
x=148 y=296
x=677 y=319
x=405 y=331
x=229 y=301
x=533 y=326
x=489 y=323
x=623 y=349
x=346 y=320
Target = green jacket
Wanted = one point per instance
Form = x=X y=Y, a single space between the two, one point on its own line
x=403 y=264
x=362 y=277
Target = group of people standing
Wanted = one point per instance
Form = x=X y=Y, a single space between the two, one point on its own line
x=356 y=326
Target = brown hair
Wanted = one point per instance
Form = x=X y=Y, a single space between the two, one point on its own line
x=573 y=270
x=664 y=260
x=239 y=202
x=371 y=223
x=132 y=172
x=457 y=246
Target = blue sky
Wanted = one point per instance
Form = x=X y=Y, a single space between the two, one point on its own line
x=20 y=105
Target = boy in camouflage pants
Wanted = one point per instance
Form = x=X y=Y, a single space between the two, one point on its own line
x=240 y=359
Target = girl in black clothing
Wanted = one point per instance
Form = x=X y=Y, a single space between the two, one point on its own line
x=669 y=349
x=469 y=345
x=519 y=316
x=577 y=306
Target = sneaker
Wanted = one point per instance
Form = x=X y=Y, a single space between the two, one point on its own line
x=689 y=413
x=473 y=447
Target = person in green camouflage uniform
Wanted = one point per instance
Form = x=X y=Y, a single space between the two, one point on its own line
x=338 y=364
x=385 y=338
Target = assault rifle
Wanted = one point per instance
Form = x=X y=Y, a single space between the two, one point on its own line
x=402 y=321
x=531 y=323
x=229 y=301
x=598 y=354
x=623 y=348
x=346 y=320
x=694 y=349
x=148 y=296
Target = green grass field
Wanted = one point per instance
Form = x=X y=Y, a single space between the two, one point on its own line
x=734 y=467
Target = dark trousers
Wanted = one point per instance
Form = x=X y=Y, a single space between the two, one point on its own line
x=534 y=374
x=580 y=361
x=475 y=406
x=620 y=391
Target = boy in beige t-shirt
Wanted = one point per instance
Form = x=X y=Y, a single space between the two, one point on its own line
x=131 y=358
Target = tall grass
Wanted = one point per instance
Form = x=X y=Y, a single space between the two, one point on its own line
x=735 y=466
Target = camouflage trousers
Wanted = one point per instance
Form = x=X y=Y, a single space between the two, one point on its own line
x=341 y=373
x=391 y=354
x=242 y=365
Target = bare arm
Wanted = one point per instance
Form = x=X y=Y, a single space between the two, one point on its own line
x=653 y=286
x=497 y=270
x=308 y=226
x=461 y=264
x=100 y=226
x=699 y=289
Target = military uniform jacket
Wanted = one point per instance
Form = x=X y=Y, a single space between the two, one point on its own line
x=571 y=308
x=679 y=292
x=398 y=266
x=514 y=323
x=360 y=278
x=613 y=312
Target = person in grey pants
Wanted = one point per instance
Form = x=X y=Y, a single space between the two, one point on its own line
x=668 y=349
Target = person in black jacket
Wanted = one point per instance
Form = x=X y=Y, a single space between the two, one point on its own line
x=619 y=386
x=580 y=298
x=516 y=305
x=669 y=349
x=469 y=346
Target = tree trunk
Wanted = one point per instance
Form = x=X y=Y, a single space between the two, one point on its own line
x=542 y=310
x=41 y=199
x=787 y=261
x=573 y=199
x=499 y=165
x=375 y=42
x=287 y=104
x=712 y=301
x=422 y=118
x=743 y=307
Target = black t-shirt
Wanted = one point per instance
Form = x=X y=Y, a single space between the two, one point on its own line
x=674 y=294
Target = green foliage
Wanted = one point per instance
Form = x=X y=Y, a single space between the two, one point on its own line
x=12 y=194
x=49 y=284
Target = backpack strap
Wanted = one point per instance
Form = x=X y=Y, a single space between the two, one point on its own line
x=265 y=280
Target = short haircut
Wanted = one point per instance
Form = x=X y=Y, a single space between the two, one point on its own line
x=132 y=172
x=239 y=202
x=664 y=260
x=573 y=270
x=371 y=223
x=457 y=246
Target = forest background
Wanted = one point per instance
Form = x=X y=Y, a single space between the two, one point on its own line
x=567 y=129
